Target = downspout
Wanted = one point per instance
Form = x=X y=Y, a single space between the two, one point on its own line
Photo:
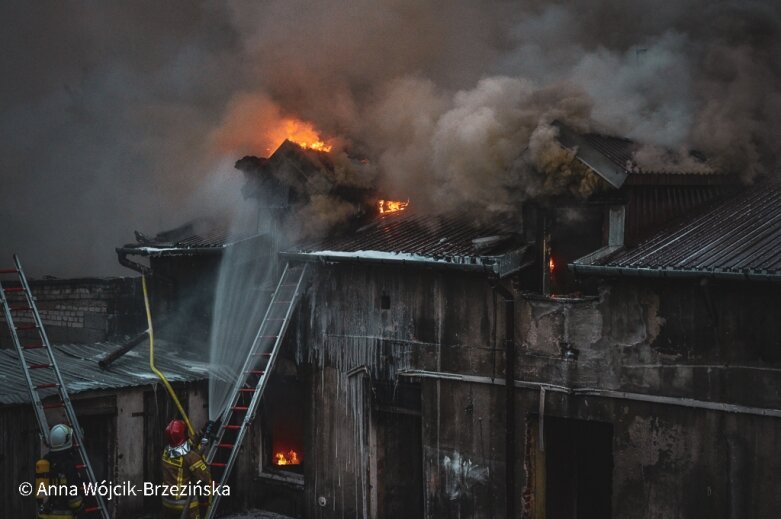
x=157 y=372
x=509 y=378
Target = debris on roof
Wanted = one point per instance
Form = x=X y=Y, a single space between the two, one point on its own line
x=78 y=364
x=739 y=238
x=412 y=238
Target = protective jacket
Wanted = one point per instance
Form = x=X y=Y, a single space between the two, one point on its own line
x=183 y=468
x=62 y=472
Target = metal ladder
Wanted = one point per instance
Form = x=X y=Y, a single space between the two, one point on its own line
x=41 y=373
x=250 y=384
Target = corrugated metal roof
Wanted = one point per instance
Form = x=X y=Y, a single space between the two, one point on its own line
x=78 y=364
x=621 y=152
x=614 y=159
x=410 y=237
x=740 y=237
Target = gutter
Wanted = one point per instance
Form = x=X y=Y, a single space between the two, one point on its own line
x=601 y=393
x=602 y=270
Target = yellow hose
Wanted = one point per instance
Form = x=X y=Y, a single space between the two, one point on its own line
x=152 y=362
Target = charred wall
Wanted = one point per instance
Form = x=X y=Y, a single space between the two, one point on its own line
x=364 y=327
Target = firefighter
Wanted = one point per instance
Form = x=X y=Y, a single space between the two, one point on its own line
x=183 y=466
x=59 y=468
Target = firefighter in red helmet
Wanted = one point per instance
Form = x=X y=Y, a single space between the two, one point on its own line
x=183 y=468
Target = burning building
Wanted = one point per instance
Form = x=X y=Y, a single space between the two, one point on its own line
x=590 y=358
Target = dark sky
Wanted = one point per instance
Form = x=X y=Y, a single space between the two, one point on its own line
x=115 y=117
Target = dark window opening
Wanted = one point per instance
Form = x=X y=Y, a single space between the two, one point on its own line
x=570 y=233
x=385 y=302
x=284 y=408
x=573 y=475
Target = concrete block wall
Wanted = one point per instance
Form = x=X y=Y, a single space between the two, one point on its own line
x=83 y=310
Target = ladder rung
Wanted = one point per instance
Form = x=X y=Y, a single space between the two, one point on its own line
x=80 y=466
x=16 y=308
x=215 y=464
x=39 y=366
x=259 y=354
x=269 y=336
x=281 y=302
x=239 y=408
x=25 y=327
x=91 y=509
x=45 y=386
x=255 y=372
x=289 y=285
x=247 y=390
x=232 y=427
x=53 y=406
x=14 y=289
x=226 y=445
x=8 y=271
x=32 y=347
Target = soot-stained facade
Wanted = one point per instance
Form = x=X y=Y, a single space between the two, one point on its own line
x=440 y=368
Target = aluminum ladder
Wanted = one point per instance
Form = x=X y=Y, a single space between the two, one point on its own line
x=247 y=392
x=41 y=373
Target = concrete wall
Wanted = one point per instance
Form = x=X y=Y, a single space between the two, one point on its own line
x=679 y=339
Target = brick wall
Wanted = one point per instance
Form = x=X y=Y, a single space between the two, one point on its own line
x=83 y=310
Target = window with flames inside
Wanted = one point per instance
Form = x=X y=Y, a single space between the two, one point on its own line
x=284 y=408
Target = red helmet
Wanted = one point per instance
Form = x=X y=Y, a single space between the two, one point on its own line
x=176 y=431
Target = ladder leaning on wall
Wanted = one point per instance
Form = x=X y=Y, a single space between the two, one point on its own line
x=247 y=392
x=41 y=373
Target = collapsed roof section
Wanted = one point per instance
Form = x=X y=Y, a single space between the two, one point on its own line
x=739 y=238
x=614 y=159
x=409 y=238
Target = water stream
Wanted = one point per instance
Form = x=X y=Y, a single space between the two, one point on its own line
x=247 y=276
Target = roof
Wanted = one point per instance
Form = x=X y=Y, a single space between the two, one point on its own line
x=412 y=238
x=78 y=364
x=737 y=238
x=613 y=158
x=203 y=236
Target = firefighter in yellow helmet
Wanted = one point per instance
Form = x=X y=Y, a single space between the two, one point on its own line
x=59 y=467
x=183 y=466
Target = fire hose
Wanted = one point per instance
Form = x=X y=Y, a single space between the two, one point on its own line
x=152 y=361
x=211 y=426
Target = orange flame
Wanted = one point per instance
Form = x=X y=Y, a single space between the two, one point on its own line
x=551 y=265
x=391 y=206
x=299 y=132
x=289 y=458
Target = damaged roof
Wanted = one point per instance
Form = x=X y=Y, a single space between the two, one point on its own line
x=407 y=237
x=738 y=238
x=203 y=236
x=613 y=158
x=78 y=365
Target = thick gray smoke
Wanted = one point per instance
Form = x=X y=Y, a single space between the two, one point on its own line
x=113 y=116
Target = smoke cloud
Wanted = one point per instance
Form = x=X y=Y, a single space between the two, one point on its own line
x=122 y=117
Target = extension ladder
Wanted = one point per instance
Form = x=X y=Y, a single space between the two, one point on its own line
x=250 y=384
x=41 y=373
